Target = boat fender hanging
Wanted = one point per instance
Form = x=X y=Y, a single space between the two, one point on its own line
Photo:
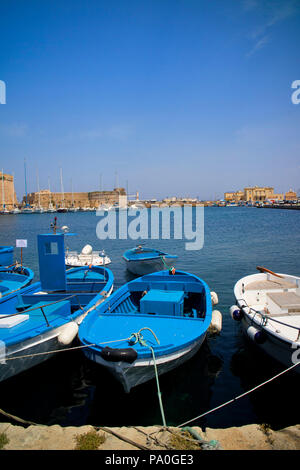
x=256 y=335
x=214 y=298
x=236 y=312
x=87 y=250
x=68 y=333
x=119 y=355
x=216 y=322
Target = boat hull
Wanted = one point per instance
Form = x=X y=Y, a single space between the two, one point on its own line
x=142 y=370
x=276 y=348
x=37 y=349
x=6 y=255
x=277 y=339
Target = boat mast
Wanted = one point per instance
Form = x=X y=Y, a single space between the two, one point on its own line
x=38 y=186
x=25 y=181
x=62 y=189
x=72 y=193
x=50 y=200
x=13 y=190
x=3 y=201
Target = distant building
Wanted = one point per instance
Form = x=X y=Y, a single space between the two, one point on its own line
x=253 y=194
x=291 y=195
x=8 y=197
x=234 y=196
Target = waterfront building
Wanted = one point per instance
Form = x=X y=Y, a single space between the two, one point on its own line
x=253 y=194
x=291 y=195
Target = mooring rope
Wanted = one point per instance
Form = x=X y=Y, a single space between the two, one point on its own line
x=138 y=338
x=61 y=350
x=240 y=396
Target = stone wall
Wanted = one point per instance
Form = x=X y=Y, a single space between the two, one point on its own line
x=7 y=191
x=90 y=199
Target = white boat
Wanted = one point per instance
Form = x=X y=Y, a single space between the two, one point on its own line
x=268 y=307
x=86 y=257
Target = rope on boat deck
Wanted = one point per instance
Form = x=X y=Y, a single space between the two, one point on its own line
x=138 y=338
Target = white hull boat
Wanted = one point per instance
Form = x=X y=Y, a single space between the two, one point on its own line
x=268 y=307
x=86 y=257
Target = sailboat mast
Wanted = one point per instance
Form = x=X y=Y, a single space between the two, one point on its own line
x=3 y=201
x=50 y=199
x=25 y=181
x=62 y=189
x=13 y=190
x=38 y=186
x=72 y=193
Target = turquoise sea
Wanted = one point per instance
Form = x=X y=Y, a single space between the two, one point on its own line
x=69 y=390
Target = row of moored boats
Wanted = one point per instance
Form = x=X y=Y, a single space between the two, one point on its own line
x=155 y=322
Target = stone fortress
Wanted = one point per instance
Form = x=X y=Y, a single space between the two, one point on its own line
x=8 y=195
x=81 y=200
x=94 y=199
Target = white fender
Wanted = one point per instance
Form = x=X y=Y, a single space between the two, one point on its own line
x=216 y=322
x=68 y=333
x=87 y=250
x=256 y=335
x=214 y=298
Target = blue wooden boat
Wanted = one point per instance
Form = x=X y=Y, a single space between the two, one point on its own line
x=6 y=255
x=44 y=317
x=143 y=260
x=161 y=317
x=14 y=278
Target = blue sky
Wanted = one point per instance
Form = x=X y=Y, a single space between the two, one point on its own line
x=179 y=97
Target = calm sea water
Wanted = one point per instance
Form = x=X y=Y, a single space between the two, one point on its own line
x=70 y=390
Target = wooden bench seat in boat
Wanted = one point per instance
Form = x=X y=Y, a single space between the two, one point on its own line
x=271 y=285
x=284 y=303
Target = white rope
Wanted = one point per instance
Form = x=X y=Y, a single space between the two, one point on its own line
x=61 y=350
x=240 y=396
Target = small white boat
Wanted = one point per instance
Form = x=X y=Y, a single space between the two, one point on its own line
x=86 y=257
x=268 y=307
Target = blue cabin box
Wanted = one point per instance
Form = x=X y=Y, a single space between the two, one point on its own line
x=51 y=250
x=162 y=302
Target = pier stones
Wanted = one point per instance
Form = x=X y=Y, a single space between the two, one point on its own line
x=250 y=437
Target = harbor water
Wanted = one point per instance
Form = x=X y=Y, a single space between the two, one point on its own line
x=71 y=391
